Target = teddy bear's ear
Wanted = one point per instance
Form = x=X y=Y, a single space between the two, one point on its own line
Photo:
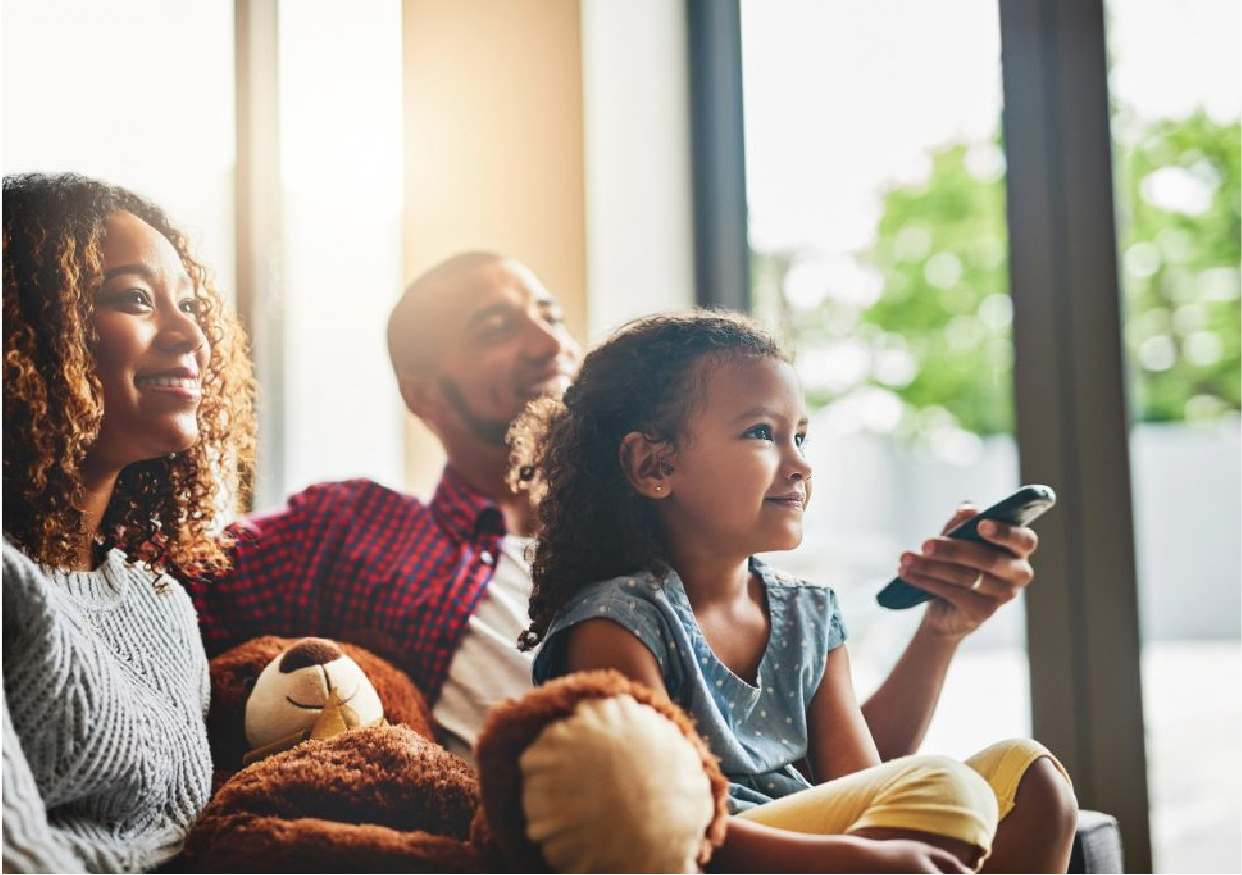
x=247 y=679
x=233 y=675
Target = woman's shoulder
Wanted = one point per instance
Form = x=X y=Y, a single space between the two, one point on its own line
x=14 y=555
x=28 y=590
x=21 y=572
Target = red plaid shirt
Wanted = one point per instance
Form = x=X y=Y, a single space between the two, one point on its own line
x=356 y=561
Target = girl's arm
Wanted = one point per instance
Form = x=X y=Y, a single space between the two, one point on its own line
x=900 y=711
x=838 y=740
x=752 y=847
x=596 y=644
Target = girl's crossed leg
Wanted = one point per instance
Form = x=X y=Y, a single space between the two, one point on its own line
x=1020 y=818
x=934 y=799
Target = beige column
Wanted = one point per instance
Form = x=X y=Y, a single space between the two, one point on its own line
x=493 y=150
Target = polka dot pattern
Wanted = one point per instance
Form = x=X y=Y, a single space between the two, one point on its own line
x=757 y=729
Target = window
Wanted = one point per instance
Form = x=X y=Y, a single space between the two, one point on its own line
x=1174 y=83
x=71 y=93
x=875 y=183
x=339 y=270
x=341 y=172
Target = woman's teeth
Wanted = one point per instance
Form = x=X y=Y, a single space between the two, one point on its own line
x=168 y=382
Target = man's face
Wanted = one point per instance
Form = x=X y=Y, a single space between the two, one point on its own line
x=502 y=342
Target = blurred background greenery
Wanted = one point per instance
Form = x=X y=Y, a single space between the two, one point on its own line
x=914 y=331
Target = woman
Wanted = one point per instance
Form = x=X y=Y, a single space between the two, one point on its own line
x=128 y=433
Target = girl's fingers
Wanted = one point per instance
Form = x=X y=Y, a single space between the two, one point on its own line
x=1014 y=570
x=946 y=572
x=964 y=512
x=1019 y=540
x=975 y=601
x=998 y=587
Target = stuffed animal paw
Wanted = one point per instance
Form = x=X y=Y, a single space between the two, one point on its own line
x=593 y=773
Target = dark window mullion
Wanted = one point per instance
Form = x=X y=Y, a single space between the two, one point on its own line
x=718 y=155
x=1082 y=613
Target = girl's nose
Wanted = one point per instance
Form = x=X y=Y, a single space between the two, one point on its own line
x=799 y=467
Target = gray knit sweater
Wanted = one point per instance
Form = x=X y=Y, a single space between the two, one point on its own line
x=105 y=754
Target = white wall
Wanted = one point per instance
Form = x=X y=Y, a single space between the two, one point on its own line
x=494 y=155
x=1188 y=524
x=640 y=244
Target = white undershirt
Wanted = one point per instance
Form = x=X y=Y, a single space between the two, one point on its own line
x=488 y=667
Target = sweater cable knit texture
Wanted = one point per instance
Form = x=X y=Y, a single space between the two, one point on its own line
x=105 y=756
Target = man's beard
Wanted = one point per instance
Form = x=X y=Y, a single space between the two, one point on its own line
x=490 y=431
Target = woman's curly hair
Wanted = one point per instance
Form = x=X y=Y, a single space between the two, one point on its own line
x=647 y=377
x=166 y=511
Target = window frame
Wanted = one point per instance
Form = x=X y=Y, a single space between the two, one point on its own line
x=258 y=223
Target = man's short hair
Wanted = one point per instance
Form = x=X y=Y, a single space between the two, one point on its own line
x=411 y=346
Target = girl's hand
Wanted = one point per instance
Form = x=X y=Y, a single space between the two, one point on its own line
x=970 y=580
x=904 y=855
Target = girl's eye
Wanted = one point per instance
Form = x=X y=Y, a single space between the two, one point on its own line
x=760 y=432
x=190 y=306
x=800 y=440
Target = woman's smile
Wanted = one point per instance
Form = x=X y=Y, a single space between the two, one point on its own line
x=174 y=383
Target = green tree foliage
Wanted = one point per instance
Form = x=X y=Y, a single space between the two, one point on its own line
x=940 y=251
x=943 y=250
x=1179 y=187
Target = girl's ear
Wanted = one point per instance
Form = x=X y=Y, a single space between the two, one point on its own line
x=647 y=463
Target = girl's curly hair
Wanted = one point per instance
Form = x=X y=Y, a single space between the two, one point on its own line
x=165 y=511
x=647 y=377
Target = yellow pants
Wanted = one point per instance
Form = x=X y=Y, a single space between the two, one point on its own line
x=931 y=794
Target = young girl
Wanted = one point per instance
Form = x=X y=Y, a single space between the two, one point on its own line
x=675 y=457
x=127 y=432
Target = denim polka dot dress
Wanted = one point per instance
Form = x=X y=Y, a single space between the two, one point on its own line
x=758 y=731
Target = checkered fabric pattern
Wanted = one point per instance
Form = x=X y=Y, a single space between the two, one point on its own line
x=356 y=561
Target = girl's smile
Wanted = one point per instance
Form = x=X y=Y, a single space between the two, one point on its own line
x=795 y=500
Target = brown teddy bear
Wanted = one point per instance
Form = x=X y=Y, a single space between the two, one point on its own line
x=326 y=761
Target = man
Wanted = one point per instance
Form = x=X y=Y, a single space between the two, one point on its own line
x=441 y=588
